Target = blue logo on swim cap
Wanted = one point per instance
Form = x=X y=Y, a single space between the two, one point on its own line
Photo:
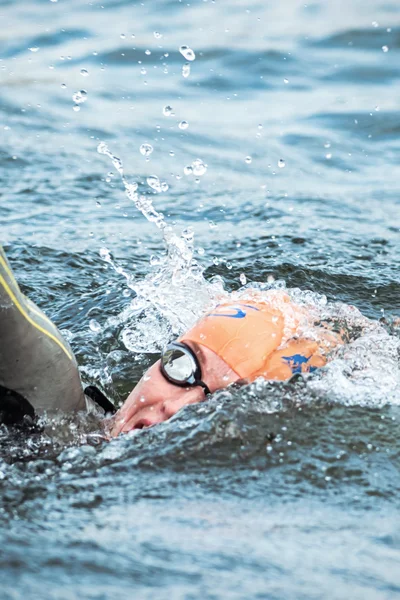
x=238 y=314
x=296 y=361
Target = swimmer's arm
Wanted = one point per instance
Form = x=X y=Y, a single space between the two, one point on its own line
x=35 y=360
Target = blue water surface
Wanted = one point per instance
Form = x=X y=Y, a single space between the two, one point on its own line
x=294 y=109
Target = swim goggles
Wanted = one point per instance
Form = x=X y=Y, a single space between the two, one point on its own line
x=180 y=366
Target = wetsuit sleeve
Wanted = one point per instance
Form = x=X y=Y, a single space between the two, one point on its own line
x=35 y=360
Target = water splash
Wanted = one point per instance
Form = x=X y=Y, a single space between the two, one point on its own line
x=165 y=303
x=142 y=202
x=174 y=294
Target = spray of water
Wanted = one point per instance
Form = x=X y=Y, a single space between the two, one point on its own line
x=175 y=294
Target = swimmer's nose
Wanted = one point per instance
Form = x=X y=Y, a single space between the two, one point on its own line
x=169 y=409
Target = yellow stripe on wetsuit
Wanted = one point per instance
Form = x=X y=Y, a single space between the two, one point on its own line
x=21 y=309
x=32 y=307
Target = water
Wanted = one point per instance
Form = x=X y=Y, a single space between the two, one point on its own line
x=288 y=170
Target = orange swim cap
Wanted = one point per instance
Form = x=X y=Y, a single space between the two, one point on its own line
x=258 y=337
x=242 y=333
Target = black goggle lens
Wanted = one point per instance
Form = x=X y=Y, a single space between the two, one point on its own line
x=178 y=365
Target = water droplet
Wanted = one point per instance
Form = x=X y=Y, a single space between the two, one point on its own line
x=183 y=125
x=80 y=97
x=143 y=71
x=84 y=72
x=281 y=163
x=172 y=153
x=167 y=111
x=63 y=85
x=201 y=251
x=146 y=149
x=154 y=260
x=102 y=148
x=198 y=167
x=122 y=36
x=385 y=48
x=243 y=279
x=248 y=159
x=377 y=108
x=105 y=254
x=147 y=52
x=286 y=80
x=187 y=53
x=186 y=70
x=34 y=49
x=164 y=186
x=157 y=35
x=327 y=145
x=188 y=170
x=154 y=182
x=98 y=204
x=328 y=156
x=76 y=107
x=94 y=325
x=126 y=293
x=375 y=24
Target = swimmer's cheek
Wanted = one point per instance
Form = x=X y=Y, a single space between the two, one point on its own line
x=155 y=411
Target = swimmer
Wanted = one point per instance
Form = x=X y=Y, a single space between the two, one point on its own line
x=264 y=335
x=251 y=335
x=38 y=370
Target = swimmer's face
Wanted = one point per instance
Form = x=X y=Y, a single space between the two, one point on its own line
x=155 y=399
